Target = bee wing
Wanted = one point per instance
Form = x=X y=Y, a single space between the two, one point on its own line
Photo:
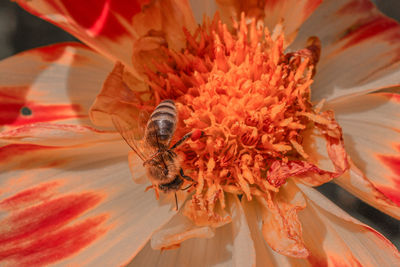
x=132 y=129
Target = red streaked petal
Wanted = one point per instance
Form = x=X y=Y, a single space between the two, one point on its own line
x=113 y=26
x=333 y=237
x=371 y=126
x=73 y=206
x=55 y=134
x=50 y=84
x=358 y=184
x=361 y=48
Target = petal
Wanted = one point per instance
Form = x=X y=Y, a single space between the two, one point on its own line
x=49 y=134
x=231 y=246
x=371 y=126
x=265 y=256
x=179 y=229
x=359 y=185
x=113 y=26
x=56 y=83
x=272 y=12
x=73 y=206
x=336 y=239
x=360 y=48
x=282 y=11
x=281 y=227
x=201 y=8
x=117 y=98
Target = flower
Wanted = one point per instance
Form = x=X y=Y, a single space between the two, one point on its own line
x=67 y=196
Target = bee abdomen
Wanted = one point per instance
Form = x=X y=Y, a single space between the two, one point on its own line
x=162 y=124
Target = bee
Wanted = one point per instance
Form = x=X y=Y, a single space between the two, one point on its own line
x=153 y=145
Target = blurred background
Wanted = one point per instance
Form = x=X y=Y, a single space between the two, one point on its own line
x=20 y=31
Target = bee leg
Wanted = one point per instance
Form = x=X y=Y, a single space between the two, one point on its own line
x=187 y=187
x=198 y=134
x=187 y=178
x=151 y=158
x=176 y=202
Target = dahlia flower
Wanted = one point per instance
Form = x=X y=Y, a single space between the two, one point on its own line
x=287 y=95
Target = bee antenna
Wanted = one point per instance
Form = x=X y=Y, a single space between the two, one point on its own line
x=176 y=202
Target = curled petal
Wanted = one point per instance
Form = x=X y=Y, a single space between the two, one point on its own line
x=179 y=229
x=265 y=256
x=361 y=48
x=117 y=98
x=281 y=227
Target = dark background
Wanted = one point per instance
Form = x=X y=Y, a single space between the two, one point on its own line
x=20 y=31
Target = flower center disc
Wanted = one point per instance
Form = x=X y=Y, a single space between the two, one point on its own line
x=251 y=100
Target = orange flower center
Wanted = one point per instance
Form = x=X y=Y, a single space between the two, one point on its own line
x=250 y=99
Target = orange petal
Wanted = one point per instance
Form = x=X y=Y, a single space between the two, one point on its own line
x=281 y=227
x=73 y=206
x=56 y=83
x=113 y=26
x=336 y=239
x=371 y=126
x=361 y=48
x=117 y=98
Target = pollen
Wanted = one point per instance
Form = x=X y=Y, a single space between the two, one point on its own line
x=252 y=102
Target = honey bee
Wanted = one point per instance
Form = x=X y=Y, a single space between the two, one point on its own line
x=153 y=145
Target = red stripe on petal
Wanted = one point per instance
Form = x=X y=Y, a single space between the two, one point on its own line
x=393 y=162
x=391 y=193
x=392 y=97
x=49 y=232
x=30 y=196
x=310 y=7
x=56 y=246
x=13 y=113
x=53 y=52
x=356 y=6
x=9 y=151
x=100 y=16
x=363 y=30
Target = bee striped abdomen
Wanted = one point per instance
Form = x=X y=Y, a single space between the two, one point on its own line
x=162 y=124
